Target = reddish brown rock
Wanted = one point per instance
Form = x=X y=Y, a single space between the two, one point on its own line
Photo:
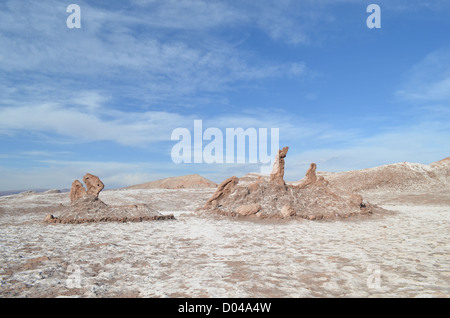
x=443 y=162
x=287 y=211
x=223 y=190
x=314 y=199
x=49 y=218
x=321 y=181
x=255 y=185
x=310 y=177
x=90 y=209
x=356 y=199
x=77 y=191
x=93 y=184
x=277 y=175
x=86 y=207
x=249 y=209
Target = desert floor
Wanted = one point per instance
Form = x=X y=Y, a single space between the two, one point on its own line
x=405 y=253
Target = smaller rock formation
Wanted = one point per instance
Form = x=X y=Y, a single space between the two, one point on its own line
x=224 y=189
x=93 y=184
x=86 y=207
x=310 y=177
x=249 y=209
x=77 y=191
x=287 y=211
x=49 y=218
x=277 y=175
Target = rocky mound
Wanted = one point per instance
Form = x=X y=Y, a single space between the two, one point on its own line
x=395 y=177
x=194 y=181
x=442 y=166
x=86 y=207
x=313 y=198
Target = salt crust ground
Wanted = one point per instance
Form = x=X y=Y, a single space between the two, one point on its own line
x=221 y=257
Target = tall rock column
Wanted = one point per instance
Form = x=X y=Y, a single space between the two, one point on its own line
x=277 y=175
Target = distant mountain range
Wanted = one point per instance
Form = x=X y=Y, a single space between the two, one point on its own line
x=193 y=181
x=11 y=192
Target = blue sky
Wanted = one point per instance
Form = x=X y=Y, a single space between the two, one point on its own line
x=105 y=98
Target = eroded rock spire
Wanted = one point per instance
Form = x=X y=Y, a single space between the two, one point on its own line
x=277 y=175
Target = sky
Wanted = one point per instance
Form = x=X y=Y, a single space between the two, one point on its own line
x=106 y=97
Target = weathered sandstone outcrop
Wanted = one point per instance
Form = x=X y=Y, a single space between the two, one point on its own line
x=86 y=207
x=312 y=199
x=223 y=190
x=277 y=175
x=310 y=177
x=77 y=191
x=93 y=184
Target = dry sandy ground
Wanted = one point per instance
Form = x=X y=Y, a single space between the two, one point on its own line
x=401 y=254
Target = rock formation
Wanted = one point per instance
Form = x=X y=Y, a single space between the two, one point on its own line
x=277 y=175
x=249 y=209
x=310 y=177
x=312 y=199
x=77 y=191
x=441 y=163
x=86 y=207
x=223 y=190
x=287 y=211
x=93 y=184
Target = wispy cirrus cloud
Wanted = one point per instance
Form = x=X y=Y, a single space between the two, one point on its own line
x=78 y=125
x=133 y=52
x=87 y=118
x=428 y=80
x=423 y=142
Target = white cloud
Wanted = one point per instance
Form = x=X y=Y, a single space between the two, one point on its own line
x=428 y=80
x=191 y=14
x=333 y=149
x=114 y=49
x=424 y=143
x=126 y=128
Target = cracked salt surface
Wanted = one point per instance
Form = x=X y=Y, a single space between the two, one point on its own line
x=403 y=254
